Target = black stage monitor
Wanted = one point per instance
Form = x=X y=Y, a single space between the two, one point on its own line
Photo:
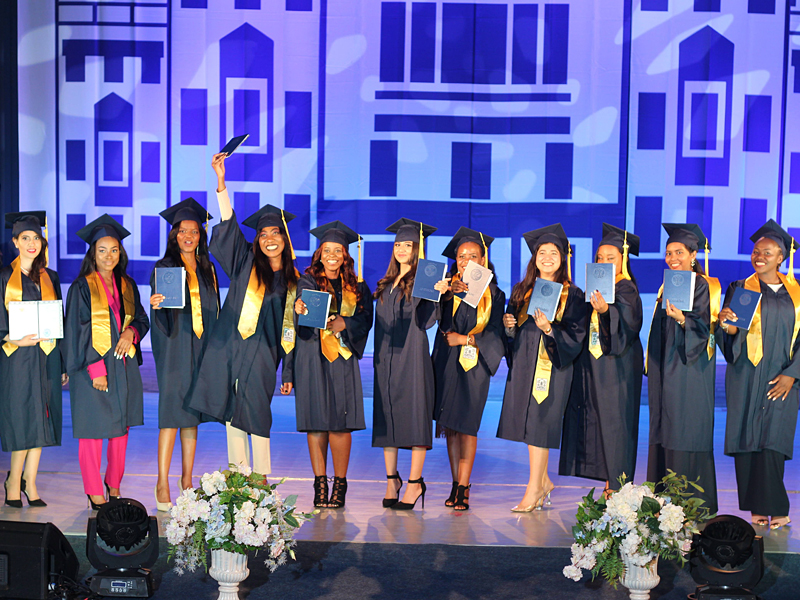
x=32 y=555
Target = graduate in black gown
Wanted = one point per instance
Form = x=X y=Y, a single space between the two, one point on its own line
x=254 y=332
x=601 y=426
x=681 y=367
x=541 y=356
x=761 y=382
x=177 y=337
x=403 y=394
x=31 y=369
x=466 y=355
x=328 y=395
x=104 y=327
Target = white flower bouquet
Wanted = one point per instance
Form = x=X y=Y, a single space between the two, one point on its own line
x=638 y=521
x=232 y=510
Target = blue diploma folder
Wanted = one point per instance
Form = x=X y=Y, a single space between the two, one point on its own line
x=429 y=273
x=745 y=304
x=545 y=297
x=679 y=289
x=170 y=283
x=318 y=304
x=600 y=277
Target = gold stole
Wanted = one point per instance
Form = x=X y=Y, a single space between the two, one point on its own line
x=714 y=297
x=468 y=359
x=194 y=298
x=755 y=348
x=332 y=346
x=251 y=308
x=101 y=317
x=544 y=366
x=287 y=339
x=594 y=327
x=14 y=294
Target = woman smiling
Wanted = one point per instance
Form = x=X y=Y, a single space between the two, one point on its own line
x=104 y=325
x=31 y=369
x=177 y=337
x=328 y=395
x=761 y=379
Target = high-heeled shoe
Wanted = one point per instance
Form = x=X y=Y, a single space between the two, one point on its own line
x=161 y=506
x=535 y=505
x=778 y=522
x=92 y=505
x=451 y=499
x=547 y=501
x=11 y=503
x=410 y=505
x=108 y=493
x=462 y=500
x=38 y=502
x=390 y=502
x=320 y=491
x=338 y=492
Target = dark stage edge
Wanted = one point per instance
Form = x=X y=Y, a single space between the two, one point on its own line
x=356 y=571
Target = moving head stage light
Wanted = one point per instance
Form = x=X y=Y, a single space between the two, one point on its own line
x=122 y=543
x=727 y=560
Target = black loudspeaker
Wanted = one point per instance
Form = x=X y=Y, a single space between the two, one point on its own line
x=32 y=555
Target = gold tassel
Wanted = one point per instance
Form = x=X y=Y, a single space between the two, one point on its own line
x=790 y=274
x=46 y=252
x=360 y=278
x=625 y=273
x=706 y=265
x=569 y=261
x=288 y=237
x=485 y=250
x=421 y=243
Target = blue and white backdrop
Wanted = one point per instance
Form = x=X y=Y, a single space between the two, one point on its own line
x=501 y=115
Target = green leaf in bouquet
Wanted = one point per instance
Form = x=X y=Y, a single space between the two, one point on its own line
x=290 y=500
x=291 y=520
x=650 y=506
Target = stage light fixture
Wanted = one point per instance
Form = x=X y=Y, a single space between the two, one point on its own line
x=727 y=560
x=122 y=543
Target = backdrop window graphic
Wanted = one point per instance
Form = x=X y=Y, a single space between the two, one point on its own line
x=497 y=115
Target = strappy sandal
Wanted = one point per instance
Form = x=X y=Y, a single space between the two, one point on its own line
x=779 y=522
x=462 y=500
x=320 y=491
x=451 y=499
x=338 y=493
x=389 y=502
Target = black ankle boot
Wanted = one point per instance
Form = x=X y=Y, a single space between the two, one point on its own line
x=320 y=491
x=338 y=493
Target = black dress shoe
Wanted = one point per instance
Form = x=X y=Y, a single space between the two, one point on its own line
x=38 y=502
x=11 y=503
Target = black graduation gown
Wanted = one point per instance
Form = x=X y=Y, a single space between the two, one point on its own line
x=755 y=423
x=461 y=395
x=177 y=350
x=227 y=357
x=522 y=418
x=30 y=394
x=328 y=395
x=404 y=391
x=96 y=414
x=601 y=425
x=680 y=386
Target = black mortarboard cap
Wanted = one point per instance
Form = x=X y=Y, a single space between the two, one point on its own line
x=31 y=220
x=268 y=216
x=407 y=230
x=335 y=231
x=186 y=210
x=688 y=234
x=464 y=235
x=614 y=236
x=775 y=232
x=552 y=234
x=104 y=226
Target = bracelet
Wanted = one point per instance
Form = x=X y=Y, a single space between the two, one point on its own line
x=682 y=323
x=549 y=331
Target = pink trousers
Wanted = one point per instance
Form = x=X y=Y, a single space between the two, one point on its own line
x=90 y=455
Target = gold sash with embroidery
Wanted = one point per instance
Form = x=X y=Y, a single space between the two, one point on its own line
x=468 y=355
x=101 y=317
x=14 y=294
x=332 y=346
x=544 y=366
x=287 y=338
x=755 y=347
x=595 y=349
x=194 y=298
x=251 y=307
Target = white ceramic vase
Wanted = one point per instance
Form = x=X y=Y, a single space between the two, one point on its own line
x=640 y=580
x=229 y=569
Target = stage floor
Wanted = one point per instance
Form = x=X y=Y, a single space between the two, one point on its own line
x=499 y=479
